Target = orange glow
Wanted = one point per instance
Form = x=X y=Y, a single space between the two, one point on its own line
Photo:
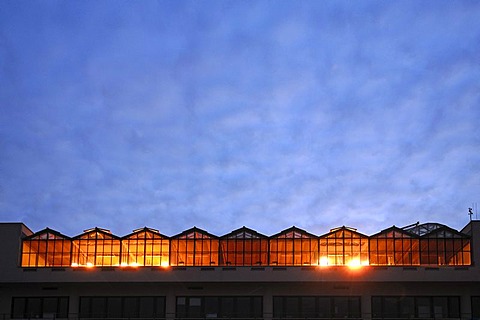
x=90 y=265
x=164 y=264
x=354 y=264
x=324 y=261
x=74 y=264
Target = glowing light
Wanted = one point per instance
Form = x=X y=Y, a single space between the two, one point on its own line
x=89 y=265
x=323 y=261
x=74 y=264
x=134 y=264
x=164 y=264
x=124 y=264
x=354 y=264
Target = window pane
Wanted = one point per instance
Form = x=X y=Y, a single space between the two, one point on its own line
x=324 y=307
x=423 y=307
x=292 y=307
x=146 y=307
x=130 y=307
x=211 y=307
x=114 y=307
x=226 y=304
x=475 y=307
x=18 y=307
x=307 y=305
x=84 y=307
x=243 y=308
x=34 y=308
x=98 y=307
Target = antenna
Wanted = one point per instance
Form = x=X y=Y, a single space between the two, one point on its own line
x=470 y=213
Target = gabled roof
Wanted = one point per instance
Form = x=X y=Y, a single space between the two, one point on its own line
x=96 y=233
x=194 y=233
x=47 y=233
x=433 y=230
x=243 y=233
x=294 y=233
x=145 y=230
x=342 y=231
x=393 y=232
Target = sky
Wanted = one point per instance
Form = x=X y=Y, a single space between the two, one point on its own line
x=223 y=114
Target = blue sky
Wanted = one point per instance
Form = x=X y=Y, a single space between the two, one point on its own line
x=220 y=114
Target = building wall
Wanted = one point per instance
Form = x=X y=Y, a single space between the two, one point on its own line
x=267 y=282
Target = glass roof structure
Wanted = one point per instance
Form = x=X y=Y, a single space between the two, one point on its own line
x=429 y=244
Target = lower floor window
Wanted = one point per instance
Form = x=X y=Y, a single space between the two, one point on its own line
x=219 y=307
x=424 y=307
x=316 y=307
x=39 y=307
x=476 y=307
x=122 y=307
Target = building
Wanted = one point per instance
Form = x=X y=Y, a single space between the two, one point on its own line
x=422 y=271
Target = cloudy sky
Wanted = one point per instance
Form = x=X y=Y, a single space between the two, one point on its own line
x=220 y=114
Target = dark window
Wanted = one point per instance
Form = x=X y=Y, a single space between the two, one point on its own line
x=39 y=307
x=415 y=307
x=122 y=307
x=219 y=307
x=316 y=307
x=476 y=307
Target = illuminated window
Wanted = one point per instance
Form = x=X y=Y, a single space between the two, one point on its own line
x=293 y=247
x=243 y=247
x=394 y=246
x=96 y=247
x=194 y=247
x=145 y=247
x=445 y=246
x=344 y=246
x=46 y=248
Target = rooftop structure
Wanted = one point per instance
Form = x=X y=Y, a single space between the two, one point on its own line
x=421 y=271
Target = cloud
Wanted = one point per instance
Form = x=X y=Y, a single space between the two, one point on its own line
x=222 y=115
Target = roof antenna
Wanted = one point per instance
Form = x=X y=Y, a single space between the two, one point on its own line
x=470 y=213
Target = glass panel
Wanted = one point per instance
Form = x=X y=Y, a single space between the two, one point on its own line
x=407 y=307
x=146 y=307
x=62 y=307
x=114 y=307
x=292 y=307
x=227 y=307
x=423 y=307
x=278 y=307
x=211 y=307
x=243 y=307
x=307 y=305
x=476 y=307
x=324 y=307
x=34 y=308
x=18 y=308
x=130 y=307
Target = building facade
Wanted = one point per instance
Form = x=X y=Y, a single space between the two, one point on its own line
x=422 y=271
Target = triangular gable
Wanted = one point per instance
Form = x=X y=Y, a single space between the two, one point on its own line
x=97 y=233
x=343 y=232
x=294 y=233
x=194 y=233
x=445 y=232
x=47 y=234
x=393 y=232
x=145 y=232
x=244 y=233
